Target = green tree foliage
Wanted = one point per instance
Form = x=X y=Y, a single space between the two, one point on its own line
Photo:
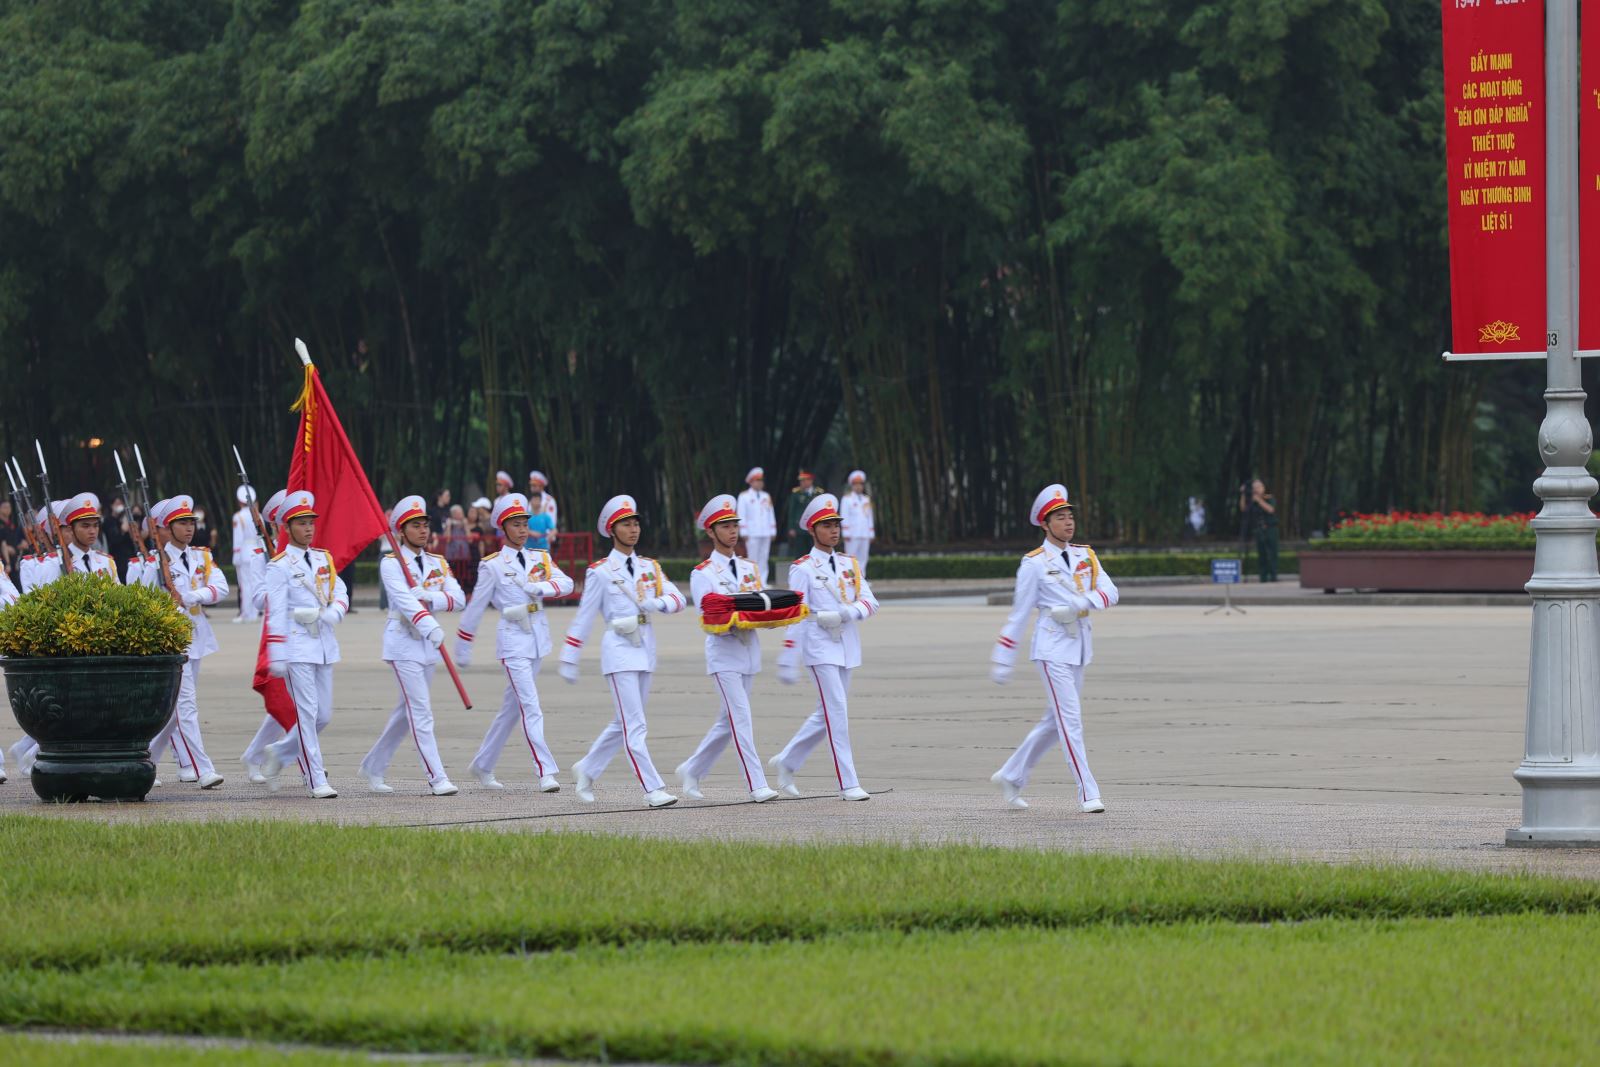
x=1147 y=247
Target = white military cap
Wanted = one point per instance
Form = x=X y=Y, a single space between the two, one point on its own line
x=1050 y=498
x=821 y=509
x=297 y=505
x=274 y=502
x=502 y=477
x=718 y=509
x=481 y=502
x=82 y=506
x=410 y=507
x=616 y=509
x=538 y=476
x=755 y=472
x=52 y=508
x=510 y=506
x=245 y=493
x=856 y=476
x=170 y=510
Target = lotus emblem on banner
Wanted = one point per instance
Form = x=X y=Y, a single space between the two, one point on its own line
x=1498 y=332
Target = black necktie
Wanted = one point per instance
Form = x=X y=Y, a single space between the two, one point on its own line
x=630 y=566
x=733 y=568
x=183 y=558
x=520 y=561
x=420 y=572
x=308 y=559
x=834 y=564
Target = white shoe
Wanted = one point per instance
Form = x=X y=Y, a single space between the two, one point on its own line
x=376 y=784
x=660 y=798
x=691 y=784
x=3 y=778
x=488 y=780
x=1009 y=790
x=547 y=784
x=237 y=619
x=444 y=788
x=584 y=788
x=188 y=779
x=785 y=777
x=252 y=771
x=762 y=795
x=156 y=784
x=324 y=792
x=210 y=781
x=1093 y=807
x=272 y=766
x=855 y=792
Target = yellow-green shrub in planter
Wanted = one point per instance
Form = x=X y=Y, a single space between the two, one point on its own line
x=92 y=671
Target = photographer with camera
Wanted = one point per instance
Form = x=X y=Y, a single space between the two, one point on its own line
x=1260 y=509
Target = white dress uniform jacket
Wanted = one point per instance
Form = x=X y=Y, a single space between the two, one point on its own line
x=737 y=650
x=610 y=592
x=831 y=581
x=756 y=517
x=48 y=569
x=516 y=588
x=1047 y=579
x=855 y=517
x=8 y=597
x=411 y=610
x=245 y=535
x=200 y=582
x=303 y=578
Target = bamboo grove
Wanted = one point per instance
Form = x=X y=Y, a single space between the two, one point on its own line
x=1147 y=247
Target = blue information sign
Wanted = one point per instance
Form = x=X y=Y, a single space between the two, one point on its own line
x=1226 y=572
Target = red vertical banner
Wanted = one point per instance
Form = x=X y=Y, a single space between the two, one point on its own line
x=1495 y=162
x=1589 y=178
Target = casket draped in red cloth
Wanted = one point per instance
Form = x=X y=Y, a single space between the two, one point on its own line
x=720 y=613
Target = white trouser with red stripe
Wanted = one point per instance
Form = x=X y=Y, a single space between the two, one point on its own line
x=733 y=690
x=311 y=689
x=1063 y=721
x=830 y=723
x=256 y=752
x=182 y=731
x=758 y=549
x=410 y=721
x=520 y=712
x=629 y=692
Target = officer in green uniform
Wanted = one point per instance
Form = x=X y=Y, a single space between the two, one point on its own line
x=1260 y=509
x=800 y=498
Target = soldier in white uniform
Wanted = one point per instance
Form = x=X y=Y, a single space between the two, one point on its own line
x=855 y=512
x=80 y=517
x=625 y=589
x=306 y=599
x=1062 y=584
x=758 y=523
x=8 y=597
x=247 y=555
x=733 y=659
x=411 y=643
x=255 y=754
x=540 y=500
x=199 y=583
x=828 y=645
x=516 y=581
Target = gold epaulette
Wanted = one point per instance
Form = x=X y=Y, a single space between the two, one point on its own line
x=702 y=565
x=280 y=555
x=490 y=556
x=596 y=563
x=438 y=557
x=1035 y=552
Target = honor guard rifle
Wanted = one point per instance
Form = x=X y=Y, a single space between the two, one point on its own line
x=50 y=510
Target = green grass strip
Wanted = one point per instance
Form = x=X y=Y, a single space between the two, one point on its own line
x=23 y=1050
x=73 y=894
x=1508 y=989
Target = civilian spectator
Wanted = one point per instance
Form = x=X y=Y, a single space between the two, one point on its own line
x=10 y=538
x=119 y=537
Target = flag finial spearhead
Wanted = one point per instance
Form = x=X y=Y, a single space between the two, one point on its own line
x=305 y=353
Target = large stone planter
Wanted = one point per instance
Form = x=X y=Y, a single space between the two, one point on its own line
x=1448 y=571
x=93 y=717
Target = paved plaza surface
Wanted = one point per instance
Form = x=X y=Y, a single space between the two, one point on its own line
x=1382 y=733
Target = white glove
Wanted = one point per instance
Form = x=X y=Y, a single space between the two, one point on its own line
x=1066 y=614
x=331 y=616
x=624 y=624
x=190 y=597
x=537 y=590
x=463 y=654
x=789 y=673
x=437 y=601
x=999 y=674
x=278 y=668
x=653 y=605
x=435 y=638
x=830 y=620
x=305 y=616
x=569 y=673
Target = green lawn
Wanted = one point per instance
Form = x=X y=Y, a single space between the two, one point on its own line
x=17 y=1050
x=810 y=956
